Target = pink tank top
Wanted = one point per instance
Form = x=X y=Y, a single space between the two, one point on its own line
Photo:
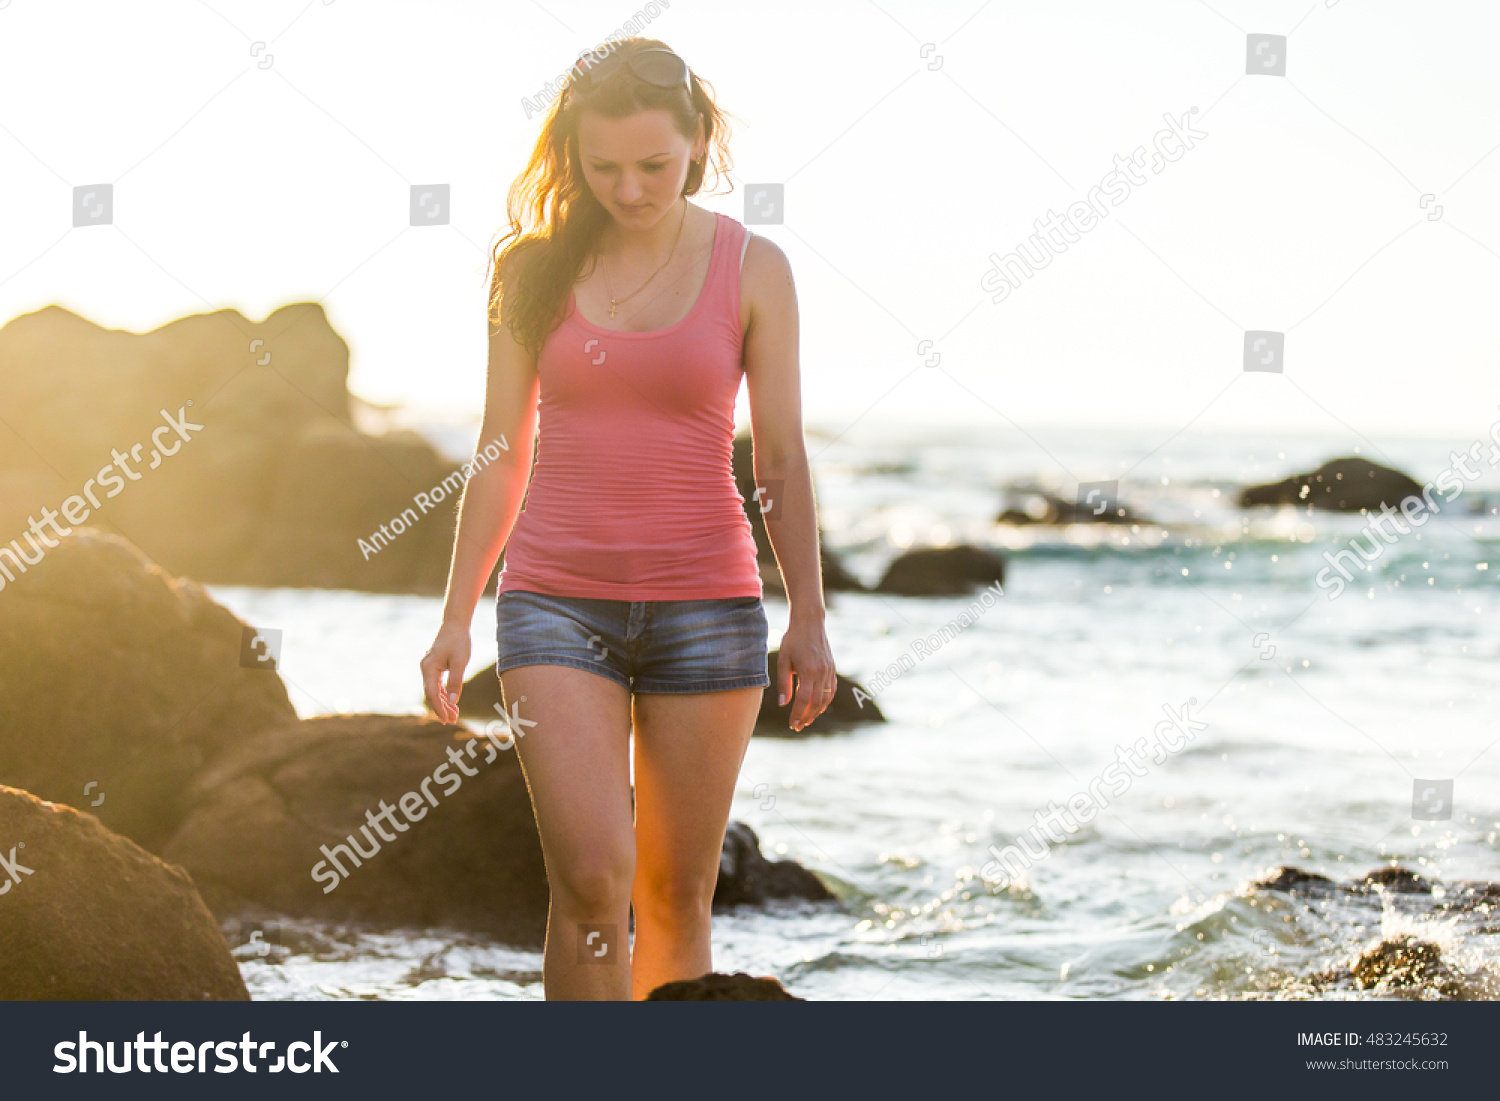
x=633 y=494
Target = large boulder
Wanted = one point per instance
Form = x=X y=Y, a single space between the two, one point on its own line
x=1342 y=485
x=468 y=857
x=943 y=571
x=119 y=683
x=87 y=915
x=334 y=507
x=272 y=483
x=747 y=878
x=269 y=815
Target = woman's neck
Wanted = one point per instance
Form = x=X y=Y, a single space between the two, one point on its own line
x=653 y=242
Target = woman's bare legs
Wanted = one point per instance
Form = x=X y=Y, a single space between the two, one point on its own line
x=688 y=752
x=577 y=767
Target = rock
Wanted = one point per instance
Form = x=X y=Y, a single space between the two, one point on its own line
x=278 y=485
x=1459 y=896
x=943 y=571
x=719 y=987
x=747 y=878
x=1394 y=878
x=844 y=711
x=326 y=506
x=91 y=916
x=1037 y=506
x=1342 y=485
x=1294 y=881
x=118 y=683
x=263 y=813
x=481 y=694
x=835 y=577
x=1402 y=962
x=1469 y=896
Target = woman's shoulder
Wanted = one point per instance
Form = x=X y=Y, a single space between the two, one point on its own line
x=761 y=259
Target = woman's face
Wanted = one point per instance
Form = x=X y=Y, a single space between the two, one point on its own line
x=636 y=166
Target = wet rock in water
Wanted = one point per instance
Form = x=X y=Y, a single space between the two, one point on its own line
x=847 y=709
x=88 y=915
x=1037 y=506
x=719 y=987
x=1401 y=962
x=746 y=877
x=119 y=683
x=943 y=571
x=275 y=483
x=1394 y=878
x=1469 y=896
x=271 y=823
x=835 y=577
x=1341 y=485
x=1294 y=881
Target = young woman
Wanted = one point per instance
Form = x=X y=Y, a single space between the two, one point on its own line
x=622 y=319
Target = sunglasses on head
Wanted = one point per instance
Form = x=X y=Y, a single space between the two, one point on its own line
x=655 y=66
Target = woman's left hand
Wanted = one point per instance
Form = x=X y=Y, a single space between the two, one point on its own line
x=806 y=653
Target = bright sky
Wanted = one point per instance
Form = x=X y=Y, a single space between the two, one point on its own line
x=913 y=140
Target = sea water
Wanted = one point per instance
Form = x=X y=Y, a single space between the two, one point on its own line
x=1322 y=719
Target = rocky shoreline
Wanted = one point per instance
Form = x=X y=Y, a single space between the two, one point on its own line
x=143 y=814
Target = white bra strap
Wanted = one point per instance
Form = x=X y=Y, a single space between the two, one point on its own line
x=744 y=248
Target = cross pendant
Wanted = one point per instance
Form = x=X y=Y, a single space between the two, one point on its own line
x=611 y=307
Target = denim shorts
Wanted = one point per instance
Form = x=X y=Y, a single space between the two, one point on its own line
x=668 y=646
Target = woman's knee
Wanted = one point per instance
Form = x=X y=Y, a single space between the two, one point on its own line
x=596 y=880
x=681 y=899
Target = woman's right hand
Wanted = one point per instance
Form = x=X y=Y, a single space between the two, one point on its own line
x=443 y=671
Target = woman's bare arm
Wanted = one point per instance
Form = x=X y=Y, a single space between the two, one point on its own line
x=487 y=512
x=782 y=478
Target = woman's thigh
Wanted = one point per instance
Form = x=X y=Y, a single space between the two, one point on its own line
x=577 y=767
x=688 y=752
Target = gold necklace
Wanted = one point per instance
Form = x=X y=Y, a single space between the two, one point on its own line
x=614 y=304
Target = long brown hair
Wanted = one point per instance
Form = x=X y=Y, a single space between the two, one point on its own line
x=555 y=221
